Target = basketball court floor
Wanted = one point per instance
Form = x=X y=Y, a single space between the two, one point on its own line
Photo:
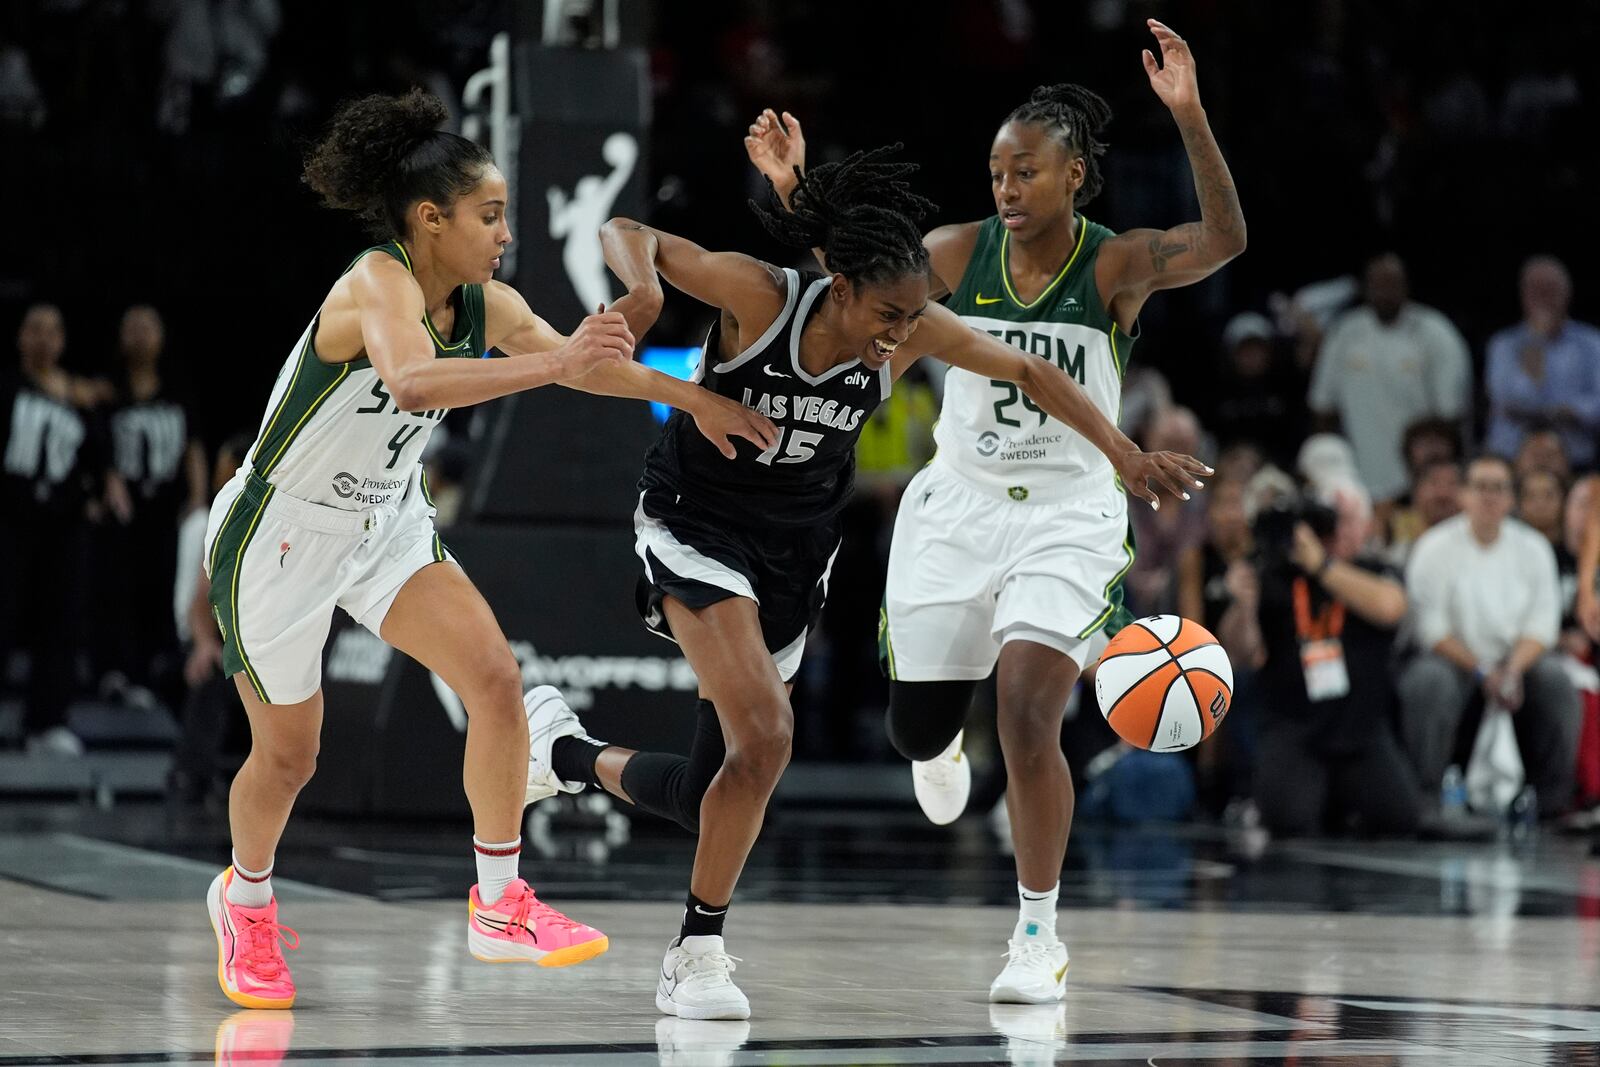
x=866 y=939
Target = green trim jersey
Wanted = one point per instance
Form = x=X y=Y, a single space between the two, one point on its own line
x=988 y=430
x=333 y=435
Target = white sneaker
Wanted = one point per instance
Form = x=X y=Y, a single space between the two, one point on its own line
x=942 y=783
x=1035 y=973
x=700 y=1042
x=696 y=984
x=548 y=718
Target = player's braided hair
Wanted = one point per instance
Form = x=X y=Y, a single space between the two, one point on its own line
x=381 y=154
x=861 y=212
x=1076 y=117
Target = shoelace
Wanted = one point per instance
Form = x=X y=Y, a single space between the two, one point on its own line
x=530 y=909
x=261 y=956
x=939 y=772
x=710 y=968
x=1028 y=953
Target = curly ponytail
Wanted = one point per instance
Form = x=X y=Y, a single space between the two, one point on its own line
x=381 y=154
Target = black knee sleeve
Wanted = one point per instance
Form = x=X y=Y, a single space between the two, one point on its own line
x=672 y=786
x=924 y=717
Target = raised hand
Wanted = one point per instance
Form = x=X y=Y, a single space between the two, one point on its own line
x=777 y=146
x=600 y=338
x=1173 y=78
x=1177 y=473
x=720 y=418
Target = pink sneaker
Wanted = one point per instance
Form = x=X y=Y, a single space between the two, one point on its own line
x=518 y=928
x=250 y=965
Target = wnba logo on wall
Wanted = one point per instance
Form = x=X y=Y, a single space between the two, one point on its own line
x=576 y=220
x=580 y=676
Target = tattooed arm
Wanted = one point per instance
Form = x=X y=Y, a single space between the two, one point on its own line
x=1137 y=263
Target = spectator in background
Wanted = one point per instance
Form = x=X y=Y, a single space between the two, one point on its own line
x=1203 y=570
x=1384 y=365
x=1485 y=597
x=1257 y=395
x=1164 y=536
x=163 y=465
x=1542 y=450
x=52 y=472
x=1435 y=497
x=1545 y=371
x=1318 y=620
x=1427 y=441
x=1542 y=505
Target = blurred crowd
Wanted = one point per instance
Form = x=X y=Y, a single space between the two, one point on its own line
x=1395 y=384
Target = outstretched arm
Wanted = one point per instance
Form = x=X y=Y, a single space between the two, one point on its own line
x=391 y=309
x=1057 y=394
x=1137 y=263
x=751 y=291
x=717 y=417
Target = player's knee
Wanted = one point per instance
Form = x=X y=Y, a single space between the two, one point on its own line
x=287 y=768
x=924 y=717
x=1029 y=726
x=914 y=737
x=760 y=749
x=495 y=683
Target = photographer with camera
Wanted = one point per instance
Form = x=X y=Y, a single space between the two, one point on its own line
x=1486 y=597
x=1318 y=619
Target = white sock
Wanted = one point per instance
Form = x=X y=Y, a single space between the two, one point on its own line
x=497 y=867
x=1038 y=915
x=247 y=888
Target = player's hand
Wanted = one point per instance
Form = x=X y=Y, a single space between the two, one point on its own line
x=1177 y=473
x=719 y=419
x=601 y=338
x=777 y=146
x=1173 y=78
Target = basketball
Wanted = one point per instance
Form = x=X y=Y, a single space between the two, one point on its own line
x=1164 y=683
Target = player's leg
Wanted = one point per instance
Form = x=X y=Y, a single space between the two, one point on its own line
x=1034 y=682
x=284 y=739
x=925 y=724
x=724 y=644
x=935 y=637
x=471 y=655
x=1061 y=589
x=273 y=613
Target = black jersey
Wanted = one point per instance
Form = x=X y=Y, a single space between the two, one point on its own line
x=806 y=477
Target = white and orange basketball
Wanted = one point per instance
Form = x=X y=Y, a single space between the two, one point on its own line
x=1164 y=683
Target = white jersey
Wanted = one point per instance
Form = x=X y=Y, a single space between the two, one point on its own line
x=333 y=435
x=988 y=431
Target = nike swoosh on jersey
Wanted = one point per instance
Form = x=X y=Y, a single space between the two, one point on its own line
x=773 y=373
x=989 y=300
